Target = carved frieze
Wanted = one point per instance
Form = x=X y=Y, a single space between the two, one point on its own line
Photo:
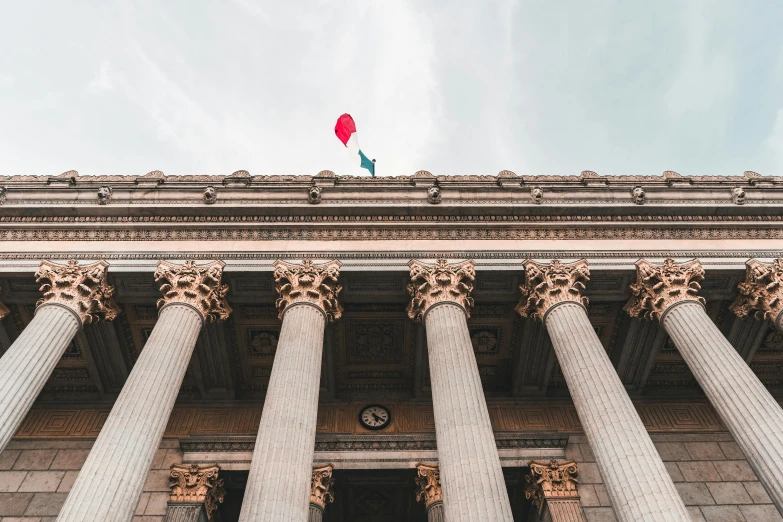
x=196 y=483
x=428 y=488
x=548 y=284
x=82 y=289
x=441 y=282
x=309 y=283
x=197 y=285
x=761 y=294
x=551 y=480
x=321 y=486
x=659 y=286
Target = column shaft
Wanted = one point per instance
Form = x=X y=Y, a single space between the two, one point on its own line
x=636 y=480
x=182 y=512
x=565 y=511
x=435 y=513
x=470 y=472
x=28 y=363
x=111 y=480
x=315 y=513
x=753 y=417
x=278 y=486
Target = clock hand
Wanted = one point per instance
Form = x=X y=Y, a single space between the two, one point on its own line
x=377 y=418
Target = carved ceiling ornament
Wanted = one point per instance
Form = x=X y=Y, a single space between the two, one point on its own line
x=321 y=486
x=659 y=286
x=548 y=284
x=196 y=483
x=551 y=480
x=82 y=289
x=761 y=294
x=309 y=283
x=428 y=488
x=441 y=282
x=197 y=285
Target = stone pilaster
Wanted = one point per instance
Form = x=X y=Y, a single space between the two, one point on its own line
x=196 y=492
x=320 y=491
x=553 y=293
x=552 y=488
x=668 y=293
x=278 y=486
x=470 y=472
x=428 y=490
x=761 y=294
x=111 y=480
x=72 y=295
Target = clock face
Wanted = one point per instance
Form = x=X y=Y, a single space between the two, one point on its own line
x=374 y=417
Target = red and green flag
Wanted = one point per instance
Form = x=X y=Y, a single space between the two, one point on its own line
x=346 y=132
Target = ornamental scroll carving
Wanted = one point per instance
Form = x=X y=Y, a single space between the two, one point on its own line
x=321 y=486
x=761 y=294
x=196 y=483
x=548 y=284
x=309 y=283
x=441 y=282
x=197 y=285
x=551 y=480
x=658 y=287
x=82 y=289
x=428 y=488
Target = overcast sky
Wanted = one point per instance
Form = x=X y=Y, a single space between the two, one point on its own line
x=537 y=87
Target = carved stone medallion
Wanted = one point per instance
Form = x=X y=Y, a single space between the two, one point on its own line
x=428 y=488
x=196 y=483
x=442 y=282
x=551 y=480
x=82 y=289
x=761 y=294
x=548 y=284
x=659 y=286
x=197 y=285
x=321 y=486
x=309 y=283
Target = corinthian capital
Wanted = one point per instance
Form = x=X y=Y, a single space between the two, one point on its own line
x=82 y=289
x=428 y=488
x=309 y=283
x=551 y=480
x=549 y=284
x=658 y=287
x=761 y=294
x=441 y=282
x=321 y=486
x=199 y=286
x=196 y=483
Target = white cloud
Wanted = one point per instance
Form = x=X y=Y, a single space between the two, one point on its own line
x=101 y=81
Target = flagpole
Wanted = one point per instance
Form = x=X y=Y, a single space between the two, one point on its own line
x=373 y=168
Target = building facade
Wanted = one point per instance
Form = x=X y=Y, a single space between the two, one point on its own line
x=330 y=348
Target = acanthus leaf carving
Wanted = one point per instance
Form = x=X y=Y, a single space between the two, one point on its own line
x=551 y=480
x=309 y=283
x=761 y=294
x=428 y=489
x=548 y=284
x=197 y=285
x=659 y=286
x=441 y=282
x=194 y=483
x=82 y=289
x=321 y=484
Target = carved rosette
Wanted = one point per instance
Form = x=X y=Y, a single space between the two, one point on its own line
x=549 y=284
x=321 y=486
x=197 y=484
x=551 y=480
x=441 y=282
x=309 y=283
x=658 y=287
x=82 y=289
x=761 y=294
x=197 y=285
x=428 y=488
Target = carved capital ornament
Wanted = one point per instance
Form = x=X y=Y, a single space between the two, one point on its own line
x=82 y=289
x=197 y=285
x=197 y=484
x=551 y=480
x=658 y=287
x=309 y=283
x=761 y=294
x=549 y=284
x=438 y=283
x=428 y=488
x=321 y=486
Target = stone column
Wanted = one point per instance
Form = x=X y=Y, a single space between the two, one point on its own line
x=473 y=484
x=195 y=493
x=72 y=296
x=428 y=490
x=552 y=488
x=320 y=491
x=278 y=487
x=761 y=294
x=636 y=480
x=668 y=293
x=110 y=482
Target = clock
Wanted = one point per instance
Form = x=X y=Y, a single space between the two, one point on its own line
x=374 y=417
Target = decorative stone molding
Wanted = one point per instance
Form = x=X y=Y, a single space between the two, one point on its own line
x=551 y=480
x=441 y=282
x=3 y=192
x=197 y=484
x=321 y=486
x=738 y=195
x=433 y=195
x=637 y=195
x=761 y=294
x=658 y=287
x=548 y=284
x=104 y=195
x=82 y=289
x=210 y=195
x=197 y=285
x=309 y=283
x=428 y=488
